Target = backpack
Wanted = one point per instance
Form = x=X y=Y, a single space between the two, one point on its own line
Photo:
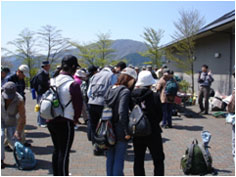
x=24 y=157
x=33 y=82
x=171 y=88
x=197 y=160
x=104 y=135
x=139 y=124
x=50 y=105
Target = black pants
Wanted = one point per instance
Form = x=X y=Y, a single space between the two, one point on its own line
x=62 y=134
x=95 y=112
x=204 y=93
x=154 y=144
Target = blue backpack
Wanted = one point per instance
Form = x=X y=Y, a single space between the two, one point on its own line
x=24 y=157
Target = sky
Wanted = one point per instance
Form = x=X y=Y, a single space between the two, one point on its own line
x=83 y=21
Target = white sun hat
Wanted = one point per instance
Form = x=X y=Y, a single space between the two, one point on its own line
x=25 y=70
x=145 y=78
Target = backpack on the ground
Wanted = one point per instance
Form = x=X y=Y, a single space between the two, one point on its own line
x=197 y=160
x=24 y=157
x=50 y=105
x=104 y=136
x=139 y=124
x=171 y=90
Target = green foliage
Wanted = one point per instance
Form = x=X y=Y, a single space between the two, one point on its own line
x=152 y=40
x=184 y=86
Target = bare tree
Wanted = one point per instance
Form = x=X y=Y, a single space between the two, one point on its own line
x=187 y=27
x=152 y=41
x=25 y=49
x=52 y=42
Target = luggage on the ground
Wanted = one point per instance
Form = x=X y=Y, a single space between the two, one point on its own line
x=139 y=124
x=197 y=160
x=50 y=105
x=104 y=136
x=24 y=157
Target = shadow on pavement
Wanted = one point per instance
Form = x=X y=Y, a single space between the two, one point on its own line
x=42 y=150
x=189 y=128
x=188 y=113
x=223 y=171
x=45 y=165
x=165 y=140
x=82 y=129
x=30 y=127
x=37 y=135
x=130 y=156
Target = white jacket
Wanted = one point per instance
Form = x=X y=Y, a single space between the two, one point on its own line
x=63 y=83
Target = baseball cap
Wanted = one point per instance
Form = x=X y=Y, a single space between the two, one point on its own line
x=24 y=69
x=131 y=72
x=9 y=90
x=44 y=63
x=69 y=61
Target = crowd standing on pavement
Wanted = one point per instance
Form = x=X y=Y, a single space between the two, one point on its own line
x=84 y=93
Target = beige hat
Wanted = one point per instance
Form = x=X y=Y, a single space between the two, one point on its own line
x=81 y=73
x=129 y=71
x=24 y=69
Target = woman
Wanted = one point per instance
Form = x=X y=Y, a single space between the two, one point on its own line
x=62 y=128
x=151 y=106
x=117 y=97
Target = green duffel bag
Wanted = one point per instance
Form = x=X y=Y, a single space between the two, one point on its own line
x=197 y=160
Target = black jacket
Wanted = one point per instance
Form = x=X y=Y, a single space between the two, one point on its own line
x=152 y=104
x=43 y=82
x=20 y=84
x=118 y=99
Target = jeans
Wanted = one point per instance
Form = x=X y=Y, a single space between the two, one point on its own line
x=40 y=120
x=167 y=113
x=95 y=113
x=115 y=159
x=62 y=134
x=204 y=92
x=10 y=137
x=233 y=141
x=154 y=144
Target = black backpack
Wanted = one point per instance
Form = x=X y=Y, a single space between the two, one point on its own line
x=139 y=124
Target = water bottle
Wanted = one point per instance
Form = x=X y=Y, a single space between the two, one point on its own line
x=33 y=93
x=55 y=102
x=36 y=108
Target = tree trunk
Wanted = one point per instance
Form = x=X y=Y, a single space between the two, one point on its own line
x=192 y=72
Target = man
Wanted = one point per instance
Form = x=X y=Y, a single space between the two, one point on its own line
x=99 y=84
x=167 y=104
x=5 y=72
x=41 y=85
x=159 y=72
x=18 y=79
x=149 y=68
x=120 y=66
x=12 y=105
x=204 y=79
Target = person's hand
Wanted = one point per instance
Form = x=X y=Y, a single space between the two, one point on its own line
x=209 y=72
x=127 y=137
x=17 y=135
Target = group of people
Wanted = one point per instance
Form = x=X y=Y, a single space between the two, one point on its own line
x=86 y=92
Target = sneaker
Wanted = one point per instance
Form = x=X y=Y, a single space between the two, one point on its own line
x=43 y=126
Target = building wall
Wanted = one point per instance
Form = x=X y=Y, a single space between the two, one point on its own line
x=205 y=54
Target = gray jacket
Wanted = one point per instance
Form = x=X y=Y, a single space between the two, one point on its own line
x=98 y=86
x=14 y=115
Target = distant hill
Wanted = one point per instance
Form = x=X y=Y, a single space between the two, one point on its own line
x=125 y=48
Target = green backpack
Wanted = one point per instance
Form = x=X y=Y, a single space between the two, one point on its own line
x=197 y=160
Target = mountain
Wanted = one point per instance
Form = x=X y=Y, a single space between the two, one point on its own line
x=124 y=48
